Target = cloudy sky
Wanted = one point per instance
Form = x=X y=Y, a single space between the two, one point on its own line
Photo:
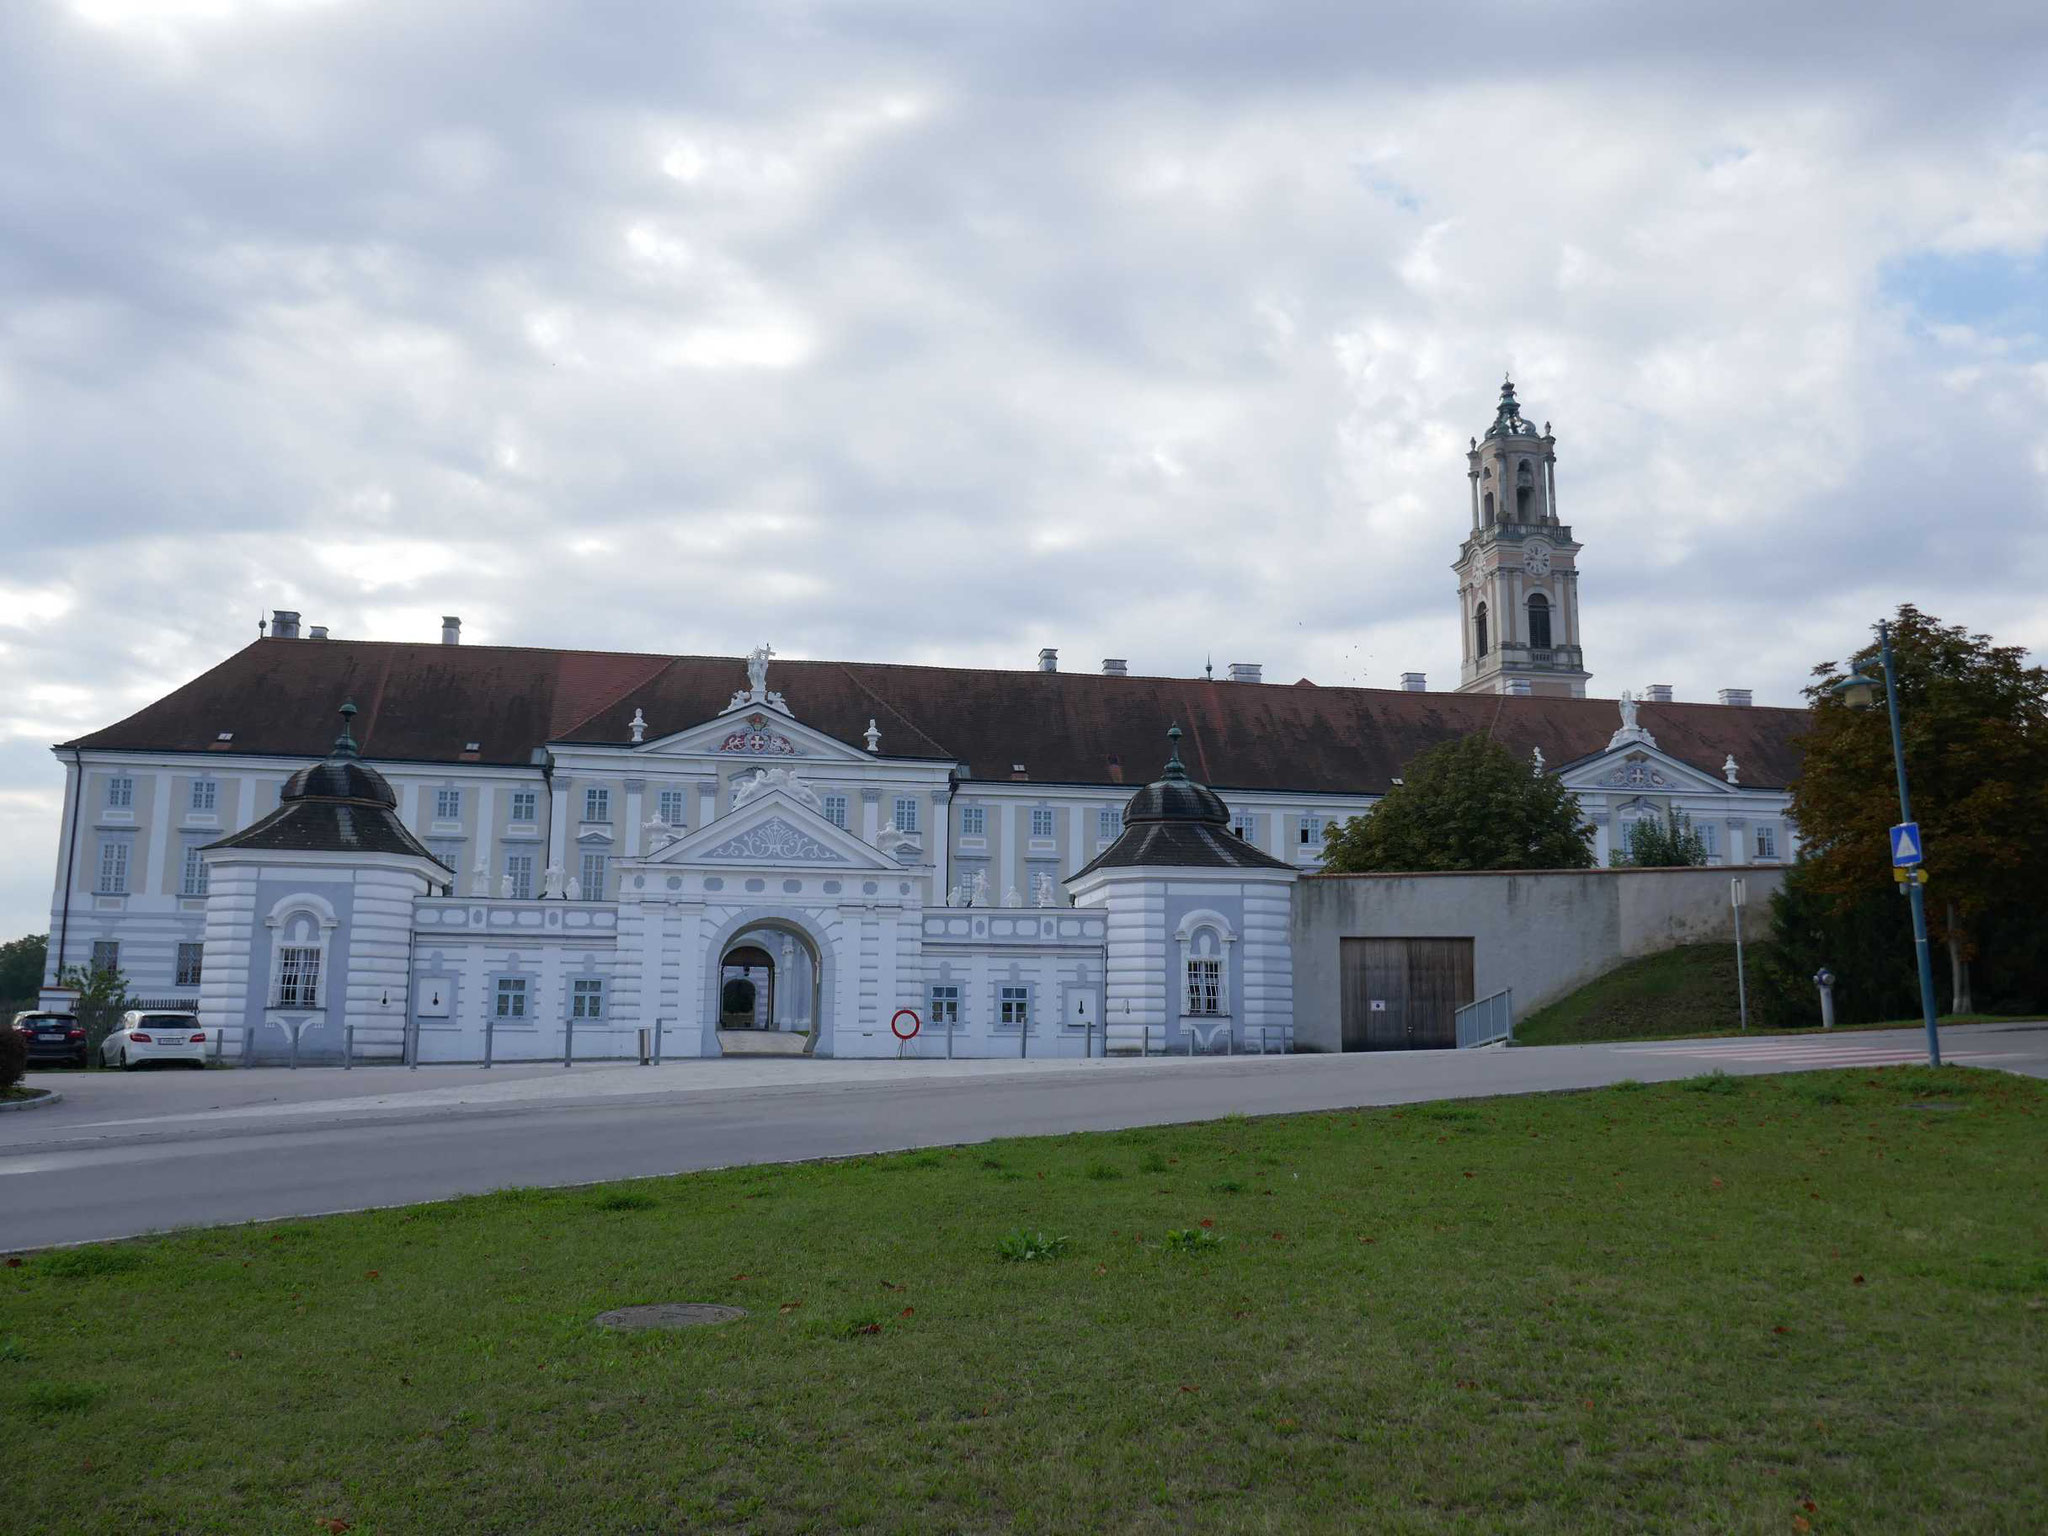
x=941 y=332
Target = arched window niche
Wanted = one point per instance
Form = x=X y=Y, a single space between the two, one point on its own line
x=1539 y=621
x=1479 y=630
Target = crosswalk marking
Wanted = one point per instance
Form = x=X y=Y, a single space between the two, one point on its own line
x=1805 y=1053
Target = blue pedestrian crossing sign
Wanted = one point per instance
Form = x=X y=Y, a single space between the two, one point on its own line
x=1906 y=844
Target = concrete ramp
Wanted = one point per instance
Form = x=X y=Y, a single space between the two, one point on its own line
x=762 y=1042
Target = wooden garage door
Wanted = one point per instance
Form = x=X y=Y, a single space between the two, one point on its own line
x=1401 y=994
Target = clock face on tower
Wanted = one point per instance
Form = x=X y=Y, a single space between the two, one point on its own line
x=1536 y=559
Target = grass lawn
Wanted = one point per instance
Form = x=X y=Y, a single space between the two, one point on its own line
x=1780 y=1305
x=1686 y=992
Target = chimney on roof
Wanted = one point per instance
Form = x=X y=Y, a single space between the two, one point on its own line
x=1414 y=682
x=1246 y=671
x=1048 y=660
x=1115 y=666
x=1737 y=698
x=284 y=625
x=451 y=630
x=317 y=632
x=1657 y=693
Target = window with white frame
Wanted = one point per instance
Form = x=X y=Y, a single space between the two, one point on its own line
x=597 y=805
x=593 y=876
x=114 y=867
x=1311 y=831
x=447 y=805
x=1109 y=823
x=205 y=794
x=106 y=955
x=1767 y=842
x=973 y=821
x=945 y=1007
x=525 y=805
x=190 y=960
x=194 y=882
x=906 y=813
x=1710 y=838
x=1245 y=825
x=672 y=807
x=298 y=976
x=1013 y=1007
x=519 y=871
x=835 y=809
x=511 y=997
x=1205 y=985
x=586 y=998
x=1041 y=821
x=120 y=793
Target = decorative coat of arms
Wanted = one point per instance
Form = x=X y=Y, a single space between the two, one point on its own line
x=757 y=740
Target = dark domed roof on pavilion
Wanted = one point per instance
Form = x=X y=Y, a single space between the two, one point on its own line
x=342 y=775
x=337 y=805
x=1175 y=821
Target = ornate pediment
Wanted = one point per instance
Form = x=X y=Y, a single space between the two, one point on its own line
x=756 y=736
x=773 y=840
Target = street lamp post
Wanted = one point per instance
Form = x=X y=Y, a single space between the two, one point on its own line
x=1857 y=691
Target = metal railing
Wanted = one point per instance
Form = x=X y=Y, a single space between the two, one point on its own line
x=1489 y=1021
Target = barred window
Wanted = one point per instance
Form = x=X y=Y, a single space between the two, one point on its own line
x=525 y=803
x=447 y=805
x=1041 y=821
x=597 y=805
x=511 y=997
x=194 y=883
x=106 y=955
x=190 y=957
x=1014 y=1006
x=1205 y=986
x=298 y=976
x=587 y=999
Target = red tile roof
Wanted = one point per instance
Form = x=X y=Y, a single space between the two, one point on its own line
x=425 y=702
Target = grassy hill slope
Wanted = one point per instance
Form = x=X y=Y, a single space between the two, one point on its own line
x=1689 y=990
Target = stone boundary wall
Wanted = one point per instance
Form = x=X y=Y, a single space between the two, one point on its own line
x=1542 y=932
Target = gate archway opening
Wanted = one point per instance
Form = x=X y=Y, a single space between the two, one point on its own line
x=769 y=983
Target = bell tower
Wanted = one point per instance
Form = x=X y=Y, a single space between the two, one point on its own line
x=1518 y=579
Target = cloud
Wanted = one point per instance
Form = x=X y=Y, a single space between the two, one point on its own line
x=903 y=331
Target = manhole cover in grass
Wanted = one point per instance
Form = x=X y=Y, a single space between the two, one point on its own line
x=1934 y=1106
x=669 y=1314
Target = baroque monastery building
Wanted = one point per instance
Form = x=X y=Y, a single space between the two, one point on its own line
x=514 y=853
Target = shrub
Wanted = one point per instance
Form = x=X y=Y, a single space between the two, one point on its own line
x=13 y=1055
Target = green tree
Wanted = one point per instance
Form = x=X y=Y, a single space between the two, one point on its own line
x=1664 y=842
x=102 y=999
x=21 y=970
x=1468 y=804
x=1974 y=721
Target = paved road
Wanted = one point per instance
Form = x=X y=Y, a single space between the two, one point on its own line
x=130 y=1154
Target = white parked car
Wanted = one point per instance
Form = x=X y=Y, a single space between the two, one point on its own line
x=143 y=1036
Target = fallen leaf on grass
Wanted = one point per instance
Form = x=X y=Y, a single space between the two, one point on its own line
x=742 y=1277
x=372 y=1274
x=13 y=1263
x=869 y=1328
x=1102 y=1269
x=334 y=1527
x=788 y=1307
x=1279 y=1237
x=1781 y=1328
x=906 y=1312
x=1470 y=1174
x=888 y=1286
x=1368 y=1239
x=1857 y=1281
x=1186 y=1388
x=1801 y=1523
x=1208 y=1221
x=234 y=1354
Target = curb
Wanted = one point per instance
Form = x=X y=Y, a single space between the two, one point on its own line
x=48 y=1096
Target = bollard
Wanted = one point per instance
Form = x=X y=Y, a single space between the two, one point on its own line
x=1825 y=980
x=643 y=1045
x=295 y=1047
x=568 y=1040
x=348 y=1046
x=490 y=1028
x=657 y=1040
x=1023 y=1034
x=949 y=1039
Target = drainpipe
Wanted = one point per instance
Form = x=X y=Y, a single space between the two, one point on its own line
x=70 y=856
